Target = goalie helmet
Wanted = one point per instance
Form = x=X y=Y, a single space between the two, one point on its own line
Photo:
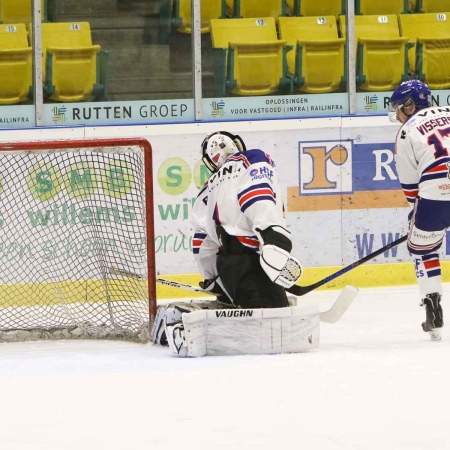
x=218 y=146
x=409 y=93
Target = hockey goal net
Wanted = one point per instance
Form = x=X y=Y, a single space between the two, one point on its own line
x=76 y=240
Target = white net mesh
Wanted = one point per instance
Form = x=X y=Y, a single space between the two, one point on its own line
x=73 y=244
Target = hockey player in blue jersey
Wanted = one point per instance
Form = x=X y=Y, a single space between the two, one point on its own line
x=423 y=165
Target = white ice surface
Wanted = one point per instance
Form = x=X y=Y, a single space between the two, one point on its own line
x=376 y=382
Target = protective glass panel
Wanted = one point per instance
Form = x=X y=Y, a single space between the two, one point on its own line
x=284 y=60
x=415 y=44
x=16 y=69
x=116 y=62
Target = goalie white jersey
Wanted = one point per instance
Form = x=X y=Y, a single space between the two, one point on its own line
x=422 y=155
x=244 y=194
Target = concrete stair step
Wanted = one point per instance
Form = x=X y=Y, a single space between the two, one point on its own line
x=145 y=61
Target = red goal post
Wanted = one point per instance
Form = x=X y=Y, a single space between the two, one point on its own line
x=77 y=239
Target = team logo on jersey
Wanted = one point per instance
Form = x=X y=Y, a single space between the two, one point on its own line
x=261 y=172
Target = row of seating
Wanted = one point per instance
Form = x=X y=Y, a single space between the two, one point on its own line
x=308 y=55
x=73 y=68
x=220 y=9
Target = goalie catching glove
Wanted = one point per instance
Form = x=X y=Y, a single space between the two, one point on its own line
x=275 y=259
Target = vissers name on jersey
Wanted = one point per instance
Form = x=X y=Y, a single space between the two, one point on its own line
x=430 y=125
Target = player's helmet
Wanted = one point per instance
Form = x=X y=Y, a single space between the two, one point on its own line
x=411 y=92
x=218 y=146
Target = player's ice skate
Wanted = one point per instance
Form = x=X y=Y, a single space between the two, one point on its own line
x=434 y=319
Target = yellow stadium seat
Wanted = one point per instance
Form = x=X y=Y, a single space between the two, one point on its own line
x=259 y=8
x=19 y=11
x=382 y=7
x=316 y=7
x=430 y=6
x=15 y=64
x=381 y=54
x=429 y=59
x=210 y=9
x=317 y=45
x=73 y=69
x=249 y=59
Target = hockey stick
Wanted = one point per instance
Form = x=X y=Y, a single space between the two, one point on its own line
x=330 y=316
x=341 y=305
x=175 y=284
x=302 y=290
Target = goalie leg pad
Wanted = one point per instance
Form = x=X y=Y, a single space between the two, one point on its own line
x=176 y=338
x=246 y=331
x=167 y=313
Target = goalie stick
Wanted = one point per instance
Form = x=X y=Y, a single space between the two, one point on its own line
x=175 y=284
x=302 y=290
x=332 y=315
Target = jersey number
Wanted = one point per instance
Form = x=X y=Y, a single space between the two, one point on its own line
x=439 y=149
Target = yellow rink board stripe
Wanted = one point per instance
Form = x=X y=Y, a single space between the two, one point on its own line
x=128 y=289
x=82 y=291
x=366 y=275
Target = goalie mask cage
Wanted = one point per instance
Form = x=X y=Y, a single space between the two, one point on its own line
x=76 y=240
